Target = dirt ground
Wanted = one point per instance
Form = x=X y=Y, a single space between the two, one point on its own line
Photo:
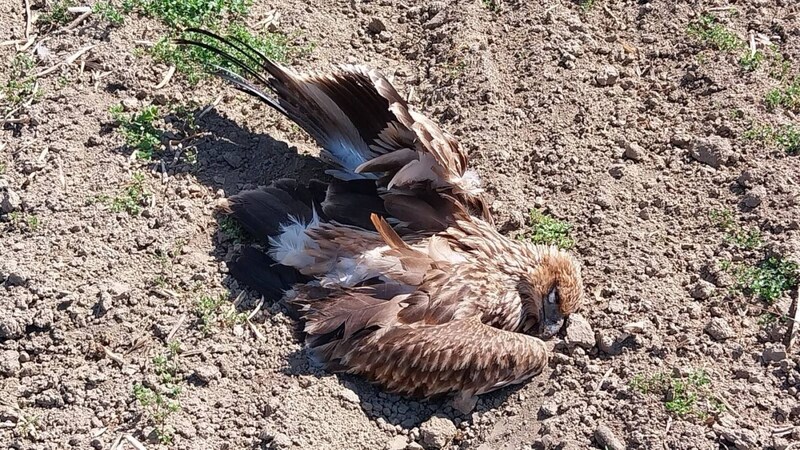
x=609 y=116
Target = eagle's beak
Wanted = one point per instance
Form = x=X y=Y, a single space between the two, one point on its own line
x=550 y=318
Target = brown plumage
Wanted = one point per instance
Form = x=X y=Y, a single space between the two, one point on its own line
x=402 y=277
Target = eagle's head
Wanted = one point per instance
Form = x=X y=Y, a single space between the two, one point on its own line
x=552 y=289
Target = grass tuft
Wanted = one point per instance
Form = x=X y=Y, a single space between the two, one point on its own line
x=786 y=137
x=57 y=15
x=786 y=96
x=213 y=311
x=735 y=234
x=544 y=229
x=769 y=279
x=21 y=87
x=713 y=34
x=108 y=12
x=138 y=129
x=683 y=395
x=160 y=402
x=133 y=197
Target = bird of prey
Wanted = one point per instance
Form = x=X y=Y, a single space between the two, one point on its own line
x=395 y=267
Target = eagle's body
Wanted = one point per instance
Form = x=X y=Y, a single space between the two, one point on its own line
x=395 y=267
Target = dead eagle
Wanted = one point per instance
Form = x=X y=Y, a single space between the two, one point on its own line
x=394 y=267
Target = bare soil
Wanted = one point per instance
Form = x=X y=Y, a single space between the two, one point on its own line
x=592 y=114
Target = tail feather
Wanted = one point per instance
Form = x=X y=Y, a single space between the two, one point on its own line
x=259 y=272
x=263 y=212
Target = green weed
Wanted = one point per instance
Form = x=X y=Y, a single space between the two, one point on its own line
x=138 y=129
x=786 y=137
x=108 y=12
x=56 y=15
x=491 y=5
x=133 y=197
x=21 y=87
x=231 y=228
x=713 y=34
x=586 y=4
x=786 y=96
x=750 y=61
x=683 y=395
x=735 y=234
x=544 y=229
x=769 y=279
x=161 y=402
x=191 y=13
x=217 y=310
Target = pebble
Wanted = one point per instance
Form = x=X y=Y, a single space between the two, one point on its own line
x=714 y=151
x=9 y=201
x=606 y=439
x=579 y=332
x=10 y=328
x=9 y=363
x=702 y=290
x=349 y=396
x=719 y=329
x=754 y=196
x=232 y=159
x=773 y=353
x=634 y=151
x=608 y=76
x=206 y=373
x=376 y=26
x=437 y=432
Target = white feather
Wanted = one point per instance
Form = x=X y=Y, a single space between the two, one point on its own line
x=289 y=247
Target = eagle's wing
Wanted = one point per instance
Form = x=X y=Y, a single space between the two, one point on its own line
x=365 y=128
x=462 y=355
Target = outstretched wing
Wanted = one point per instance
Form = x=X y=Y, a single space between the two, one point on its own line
x=365 y=128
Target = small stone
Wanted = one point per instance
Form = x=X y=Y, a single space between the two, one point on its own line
x=608 y=76
x=9 y=363
x=376 y=26
x=773 y=353
x=702 y=290
x=714 y=151
x=754 y=197
x=741 y=438
x=232 y=159
x=16 y=279
x=129 y=104
x=719 y=329
x=206 y=373
x=548 y=409
x=634 y=151
x=437 y=432
x=349 y=396
x=606 y=439
x=10 y=328
x=398 y=443
x=9 y=201
x=610 y=342
x=617 y=171
x=579 y=332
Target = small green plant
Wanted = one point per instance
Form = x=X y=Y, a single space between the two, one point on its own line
x=544 y=229
x=217 y=310
x=491 y=5
x=138 y=129
x=133 y=198
x=735 y=234
x=687 y=395
x=750 y=61
x=108 y=12
x=769 y=279
x=231 y=228
x=57 y=15
x=33 y=222
x=713 y=34
x=159 y=402
x=192 y=13
x=786 y=137
x=21 y=87
x=787 y=96
x=586 y=4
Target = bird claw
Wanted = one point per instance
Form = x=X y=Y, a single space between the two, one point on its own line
x=465 y=403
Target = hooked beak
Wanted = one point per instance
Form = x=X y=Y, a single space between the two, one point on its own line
x=550 y=318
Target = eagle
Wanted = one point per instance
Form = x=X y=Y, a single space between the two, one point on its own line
x=394 y=268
